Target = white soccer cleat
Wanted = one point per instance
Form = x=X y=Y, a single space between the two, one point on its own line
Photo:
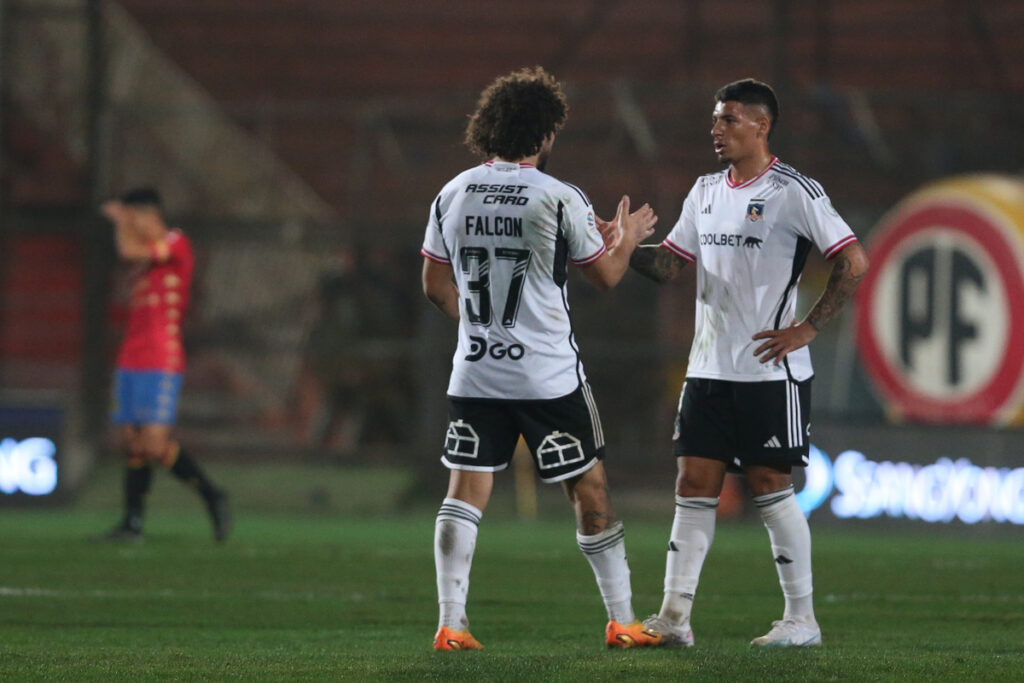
x=790 y=633
x=671 y=636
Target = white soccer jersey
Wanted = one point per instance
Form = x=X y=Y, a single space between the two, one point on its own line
x=750 y=242
x=509 y=232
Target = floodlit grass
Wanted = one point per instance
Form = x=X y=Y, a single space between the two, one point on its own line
x=349 y=595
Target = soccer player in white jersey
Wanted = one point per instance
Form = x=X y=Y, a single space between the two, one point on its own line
x=498 y=244
x=746 y=399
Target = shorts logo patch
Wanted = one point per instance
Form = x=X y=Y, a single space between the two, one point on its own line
x=461 y=440
x=559 y=448
x=773 y=443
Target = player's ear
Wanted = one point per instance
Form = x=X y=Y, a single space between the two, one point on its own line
x=764 y=126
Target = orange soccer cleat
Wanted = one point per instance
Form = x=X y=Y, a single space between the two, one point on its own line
x=450 y=639
x=630 y=635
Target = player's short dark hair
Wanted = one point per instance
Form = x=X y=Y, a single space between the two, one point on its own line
x=515 y=113
x=141 y=197
x=750 y=91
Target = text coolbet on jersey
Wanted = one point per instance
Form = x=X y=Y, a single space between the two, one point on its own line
x=750 y=243
x=509 y=232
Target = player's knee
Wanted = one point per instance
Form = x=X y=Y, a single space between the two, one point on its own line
x=690 y=484
x=590 y=490
x=768 y=481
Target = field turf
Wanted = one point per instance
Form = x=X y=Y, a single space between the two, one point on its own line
x=347 y=593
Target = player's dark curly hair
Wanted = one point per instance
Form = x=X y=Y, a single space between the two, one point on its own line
x=750 y=91
x=515 y=113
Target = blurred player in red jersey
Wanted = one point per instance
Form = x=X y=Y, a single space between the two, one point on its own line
x=151 y=361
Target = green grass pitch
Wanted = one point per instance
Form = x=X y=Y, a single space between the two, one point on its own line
x=344 y=596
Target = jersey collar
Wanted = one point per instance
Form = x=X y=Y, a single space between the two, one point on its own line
x=509 y=163
x=728 y=175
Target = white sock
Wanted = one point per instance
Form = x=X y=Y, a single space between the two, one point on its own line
x=454 y=542
x=693 y=530
x=606 y=553
x=791 y=547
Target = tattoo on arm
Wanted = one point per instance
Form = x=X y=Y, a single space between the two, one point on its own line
x=655 y=262
x=841 y=285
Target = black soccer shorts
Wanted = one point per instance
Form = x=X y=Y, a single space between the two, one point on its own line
x=563 y=434
x=744 y=423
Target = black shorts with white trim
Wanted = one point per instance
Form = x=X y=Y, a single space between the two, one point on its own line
x=744 y=423
x=563 y=434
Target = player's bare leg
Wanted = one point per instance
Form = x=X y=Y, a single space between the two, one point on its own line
x=455 y=532
x=137 y=477
x=790 y=538
x=158 y=446
x=601 y=537
x=698 y=487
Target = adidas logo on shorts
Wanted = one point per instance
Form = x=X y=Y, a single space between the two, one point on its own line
x=773 y=443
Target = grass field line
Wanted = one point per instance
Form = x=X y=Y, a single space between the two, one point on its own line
x=172 y=594
x=310 y=596
x=925 y=597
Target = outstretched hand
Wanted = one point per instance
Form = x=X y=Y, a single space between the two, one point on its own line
x=636 y=226
x=783 y=342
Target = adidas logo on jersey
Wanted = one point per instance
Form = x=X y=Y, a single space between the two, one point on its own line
x=706 y=210
x=773 y=443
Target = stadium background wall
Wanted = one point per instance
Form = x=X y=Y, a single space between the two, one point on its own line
x=300 y=147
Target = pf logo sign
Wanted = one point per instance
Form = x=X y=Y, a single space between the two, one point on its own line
x=941 y=315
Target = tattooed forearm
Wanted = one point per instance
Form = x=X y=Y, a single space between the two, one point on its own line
x=849 y=269
x=655 y=262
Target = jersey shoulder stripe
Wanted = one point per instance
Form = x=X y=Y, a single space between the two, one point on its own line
x=810 y=186
x=581 y=193
x=814 y=183
x=813 y=193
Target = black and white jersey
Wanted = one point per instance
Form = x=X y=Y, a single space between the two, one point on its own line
x=750 y=243
x=509 y=231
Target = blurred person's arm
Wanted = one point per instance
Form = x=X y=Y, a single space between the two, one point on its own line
x=439 y=287
x=130 y=246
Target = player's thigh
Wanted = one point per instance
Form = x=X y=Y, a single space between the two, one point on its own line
x=563 y=434
x=706 y=422
x=773 y=425
x=481 y=436
x=154 y=439
x=471 y=487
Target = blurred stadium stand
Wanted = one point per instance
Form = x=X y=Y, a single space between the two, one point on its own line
x=300 y=144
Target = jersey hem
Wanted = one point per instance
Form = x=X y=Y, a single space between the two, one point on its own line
x=590 y=259
x=746 y=378
x=838 y=246
x=434 y=257
x=491 y=399
x=678 y=251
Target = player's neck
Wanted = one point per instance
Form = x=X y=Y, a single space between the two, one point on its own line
x=750 y=167
x=532 y=160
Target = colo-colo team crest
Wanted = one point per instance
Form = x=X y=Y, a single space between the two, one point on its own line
x=941 y=315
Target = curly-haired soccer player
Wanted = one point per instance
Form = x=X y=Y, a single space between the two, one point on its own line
x=499 y=241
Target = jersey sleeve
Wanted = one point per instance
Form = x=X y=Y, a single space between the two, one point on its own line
x=434 y=247
x=585 y=243
x=682 y=240
x=823 y=225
